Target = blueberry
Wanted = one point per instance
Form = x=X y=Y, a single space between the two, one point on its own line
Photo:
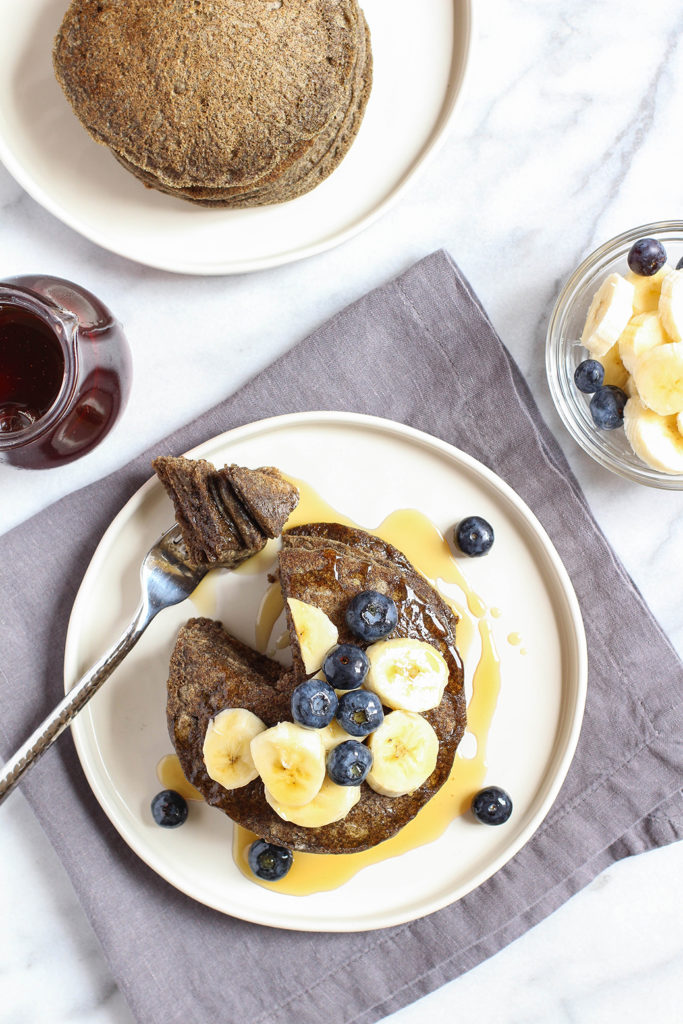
x=169 y=809
x=679 y=265
x=346 y=667
x=474 y=536
x=268 y=861
x=314 y=703
x=371 y=615
x=492 y=806
x=646 y=257
x=607 y=407
x=349 y=763
x=589 y=376
x=360 y=712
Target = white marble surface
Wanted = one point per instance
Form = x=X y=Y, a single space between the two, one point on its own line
x=568 y=134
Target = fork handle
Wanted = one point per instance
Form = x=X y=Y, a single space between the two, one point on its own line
x=77 y=697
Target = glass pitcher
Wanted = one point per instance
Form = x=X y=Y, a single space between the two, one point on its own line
x=65 y=371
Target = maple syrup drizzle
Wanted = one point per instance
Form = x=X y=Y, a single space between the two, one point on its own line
x=466 y=627
x=485 y=690
x=170 y=775
x=260 y=562
x=420 y=540
x=205 y=596
x=269 y=612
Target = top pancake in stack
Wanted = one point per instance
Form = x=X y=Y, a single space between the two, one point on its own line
x=220 y=102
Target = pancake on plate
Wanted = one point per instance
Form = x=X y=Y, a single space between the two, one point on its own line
x=219 y=102
x=323 y=565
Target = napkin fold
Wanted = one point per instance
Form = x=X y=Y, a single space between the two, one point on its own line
x=421 y=350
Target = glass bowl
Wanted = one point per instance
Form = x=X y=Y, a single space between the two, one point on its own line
x=564 y=352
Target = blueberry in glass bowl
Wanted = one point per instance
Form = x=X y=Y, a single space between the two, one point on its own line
x=607 y=407
x=638 y=374
x=646 y=257
x=589 y=375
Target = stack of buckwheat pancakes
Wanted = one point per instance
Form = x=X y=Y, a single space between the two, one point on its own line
x=226 y=103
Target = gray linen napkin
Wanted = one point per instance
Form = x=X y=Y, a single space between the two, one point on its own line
x=424 y=333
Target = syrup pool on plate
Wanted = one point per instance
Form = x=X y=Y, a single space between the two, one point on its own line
x=170 y=775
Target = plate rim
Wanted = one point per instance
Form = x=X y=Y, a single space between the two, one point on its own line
x=427 y=153
x=577 y=639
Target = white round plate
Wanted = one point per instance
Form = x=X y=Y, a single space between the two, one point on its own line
x=366 y=468
x=420 y=54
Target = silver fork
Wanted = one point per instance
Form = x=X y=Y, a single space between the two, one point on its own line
x=167 y=578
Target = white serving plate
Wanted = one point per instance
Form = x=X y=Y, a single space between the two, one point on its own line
x=420 y=56
x=366 y=468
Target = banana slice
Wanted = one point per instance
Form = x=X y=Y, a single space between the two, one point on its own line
x=658 y=376
x=679 y=423
x=404 y=751
x=332 y=803
x=333 y=734
x=315 y=632
x=646 y=289
x=655 y=439
x=291 y=762
x=629 y=387
x=642 y=333
x=227 y=753
x=409 y=675
x=609 y=312
x=671 y=304
x=615 y=371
